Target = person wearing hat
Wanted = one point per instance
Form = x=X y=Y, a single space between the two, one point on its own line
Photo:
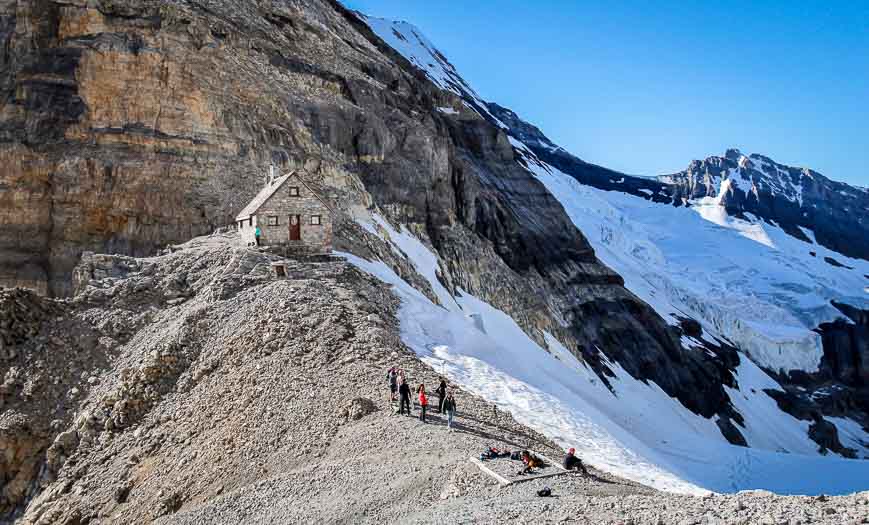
x=571 y=462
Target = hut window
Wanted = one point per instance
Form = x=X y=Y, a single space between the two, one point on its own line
x=315 y=220
x=294 y=191
x=273 y=220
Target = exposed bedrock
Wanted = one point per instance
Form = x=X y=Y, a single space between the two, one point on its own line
x=846 y=346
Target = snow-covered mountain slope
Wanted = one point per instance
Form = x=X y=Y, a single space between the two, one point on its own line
x=635 y=429
x=746 y=279
x=413 y=45
x=791 y=197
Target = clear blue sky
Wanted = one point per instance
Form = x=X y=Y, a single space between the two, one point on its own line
x=644 y=87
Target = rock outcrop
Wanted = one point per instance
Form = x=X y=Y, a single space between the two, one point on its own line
x=846 y=347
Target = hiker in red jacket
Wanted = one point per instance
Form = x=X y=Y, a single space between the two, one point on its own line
x=423 y=402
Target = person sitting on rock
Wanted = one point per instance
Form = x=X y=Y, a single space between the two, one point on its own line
x=404 y=395
x=423 y=402
x=571 y=462
x=531 y=462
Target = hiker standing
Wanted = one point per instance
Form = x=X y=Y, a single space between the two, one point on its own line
x=404 y=394
x=392 y=378
x=423 y=402
x=572 y=462
x=257 y=234
x=441 y=391
x=449 y=406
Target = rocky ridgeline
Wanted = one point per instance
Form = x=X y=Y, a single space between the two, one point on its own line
x=204 y=373
x=199 y=387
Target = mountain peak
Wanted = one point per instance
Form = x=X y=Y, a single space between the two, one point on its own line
x=733 y=154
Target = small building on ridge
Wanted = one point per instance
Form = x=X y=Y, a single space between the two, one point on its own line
x=290 y=214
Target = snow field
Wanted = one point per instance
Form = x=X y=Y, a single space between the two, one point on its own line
x=636 y=431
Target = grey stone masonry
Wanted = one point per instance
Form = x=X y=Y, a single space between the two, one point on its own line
x=293 y=200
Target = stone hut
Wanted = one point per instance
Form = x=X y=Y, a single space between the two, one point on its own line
x=290 y=214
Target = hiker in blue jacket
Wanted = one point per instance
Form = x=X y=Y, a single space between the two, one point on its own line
x=257 y=233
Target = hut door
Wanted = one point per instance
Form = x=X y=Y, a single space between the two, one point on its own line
x=295 y=228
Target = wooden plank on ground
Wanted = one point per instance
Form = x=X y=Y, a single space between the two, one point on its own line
x=501 y=479
x=549 y=461
x=529 y=477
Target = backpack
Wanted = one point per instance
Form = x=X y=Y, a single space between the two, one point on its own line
x=545 y=492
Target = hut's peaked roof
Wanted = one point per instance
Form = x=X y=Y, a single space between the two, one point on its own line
x=263 y=196
x=270 y=189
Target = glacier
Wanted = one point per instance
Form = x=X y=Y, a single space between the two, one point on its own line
x=746 y=281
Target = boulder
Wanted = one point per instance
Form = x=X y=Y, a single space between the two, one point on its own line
x=358 y=408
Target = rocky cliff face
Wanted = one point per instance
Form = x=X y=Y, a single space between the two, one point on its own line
x=126 y=125
x=129 y=125
x=585 y=172
x=846 y=347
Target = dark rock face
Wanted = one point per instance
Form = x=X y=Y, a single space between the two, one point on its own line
x=731 y=433
x=826 y=436
x=586 y=173
x=846 y=347
x=801 y=404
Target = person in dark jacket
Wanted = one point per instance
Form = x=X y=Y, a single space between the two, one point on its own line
x=571 y=462
x=404 y=393
x=441 y=391
x=449 y=406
